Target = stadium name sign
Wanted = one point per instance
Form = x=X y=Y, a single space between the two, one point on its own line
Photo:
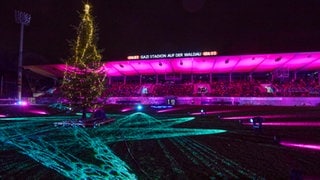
x=173 y=55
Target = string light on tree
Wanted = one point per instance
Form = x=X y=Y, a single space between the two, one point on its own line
x=84 y=78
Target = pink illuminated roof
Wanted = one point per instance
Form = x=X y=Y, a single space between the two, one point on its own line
x=298 y=61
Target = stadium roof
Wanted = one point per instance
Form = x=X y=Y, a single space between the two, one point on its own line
x=298 y=61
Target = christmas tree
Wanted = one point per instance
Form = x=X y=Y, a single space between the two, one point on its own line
x=84 y=79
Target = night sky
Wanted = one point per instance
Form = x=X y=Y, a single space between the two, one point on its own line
x=134 y=27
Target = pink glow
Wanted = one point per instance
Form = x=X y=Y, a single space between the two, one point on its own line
x=38 y=112
x=2 y=115
x=236 y=117
x=214 y=112
x=161 y=66
x=183 y=65
x=169 y=110
x=306 y=61
x=225 y=64
x=314 y=65
x=248 y=63
x=302 y=58
x=264 y=116
x=290 y=124
x=278 y=116
x=301 y=145
x=271 y=63
x=124 y=67
x=111 y=71
x=141 y=66
x=126 y=109
x=22 y=103
x=203 y=65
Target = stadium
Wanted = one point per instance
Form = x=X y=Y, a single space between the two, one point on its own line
x=170 y=115
x=289 y=79
x=183 y=115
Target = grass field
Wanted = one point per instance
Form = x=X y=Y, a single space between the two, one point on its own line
x=182 y=142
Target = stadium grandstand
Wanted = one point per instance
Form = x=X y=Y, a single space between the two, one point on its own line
x=200 y=78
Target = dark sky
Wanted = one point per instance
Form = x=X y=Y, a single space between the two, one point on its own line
x=130 y=27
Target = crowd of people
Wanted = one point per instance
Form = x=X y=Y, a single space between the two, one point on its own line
x=239 y=88
x=173 y=89
x=294 y=88
x=235 y=89
x=123 y=90
x=297 y=88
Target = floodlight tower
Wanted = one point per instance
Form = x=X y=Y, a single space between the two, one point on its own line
x=23 y=19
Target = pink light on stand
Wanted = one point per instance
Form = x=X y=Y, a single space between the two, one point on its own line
x=289 y=124
x=21 y=103
x=266 y=117
x=38 y=112
x=278 y=116
x=300 y=145
x=214 y=112
x=169 y=110
x=126 y=109
x=236 y=117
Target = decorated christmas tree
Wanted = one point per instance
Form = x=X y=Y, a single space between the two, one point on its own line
x=84 y=79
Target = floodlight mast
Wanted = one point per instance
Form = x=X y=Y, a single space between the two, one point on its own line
x=23 y=19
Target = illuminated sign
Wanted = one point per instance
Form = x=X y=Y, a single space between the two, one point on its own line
x=173 y=55
x=133 y=57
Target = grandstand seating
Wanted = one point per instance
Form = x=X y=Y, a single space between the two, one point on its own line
x=297 y=88
x=217 y=89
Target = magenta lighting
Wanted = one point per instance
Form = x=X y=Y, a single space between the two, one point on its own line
x=290 y=124
x=265 y=116
x=301 y=145
x=236 y=117
x=169 y=110
x=22 y=103
x=126 y=109
x=214 y=112
x=38 y=112
x=195 y=62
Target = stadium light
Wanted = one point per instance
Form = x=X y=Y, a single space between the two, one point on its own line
x=23 y=19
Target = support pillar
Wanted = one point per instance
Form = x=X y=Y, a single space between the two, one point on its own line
x=250 y=77
x=140 y=79
x=109 y=80
x=157 y=78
